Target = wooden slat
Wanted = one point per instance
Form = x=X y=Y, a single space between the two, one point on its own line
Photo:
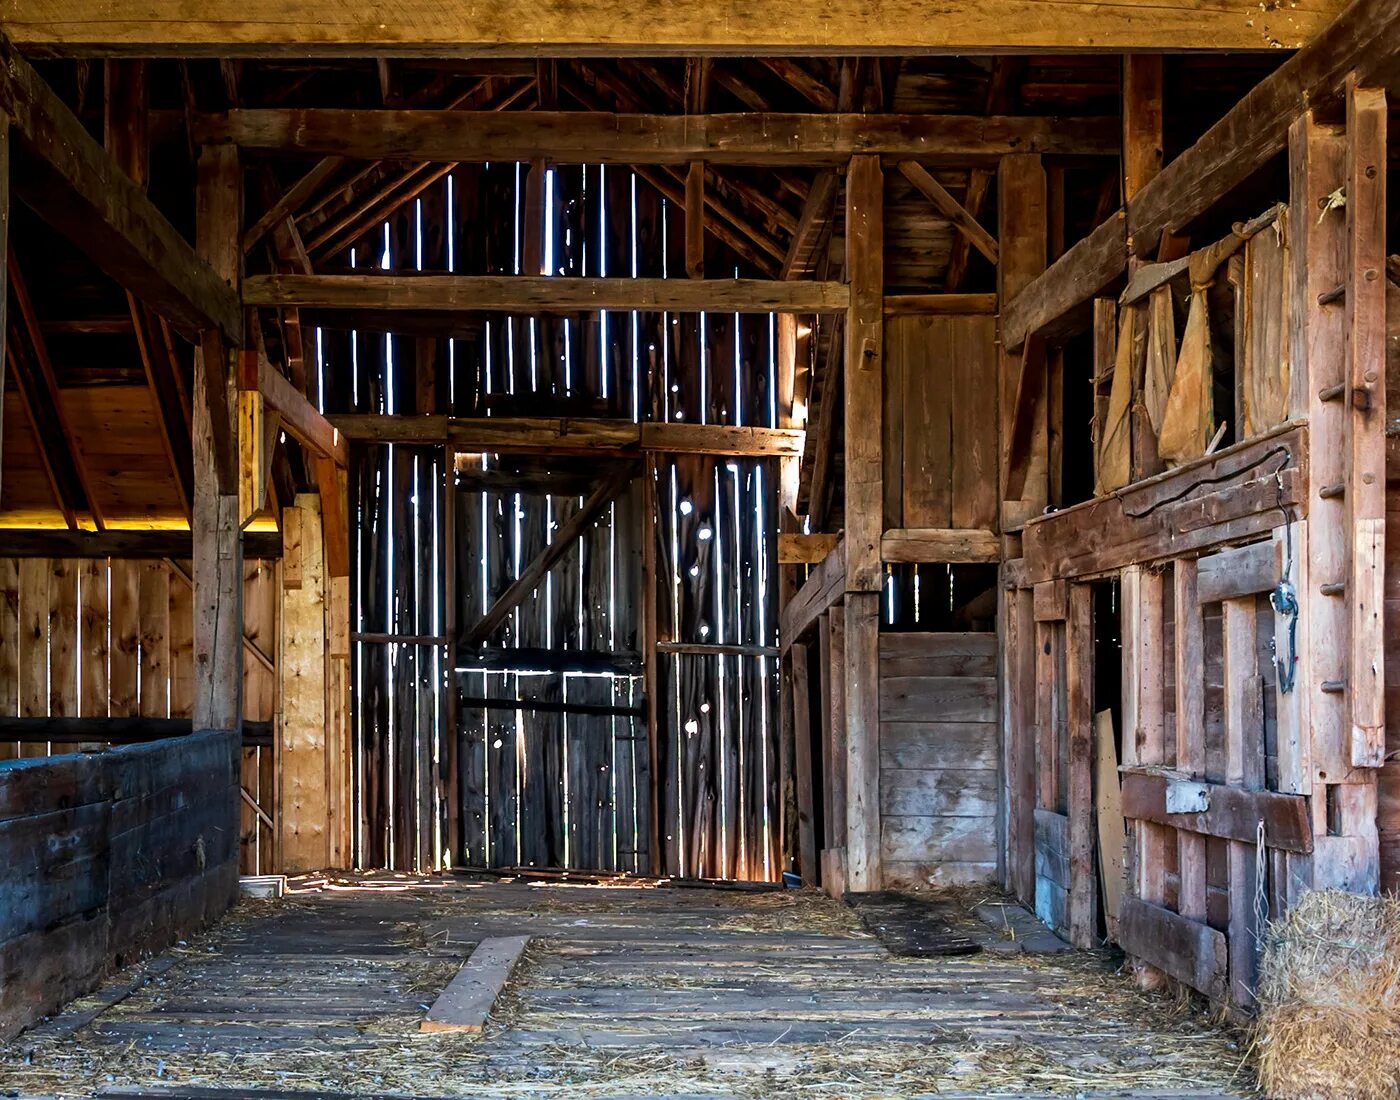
x=597 y=137
x=1189 y=951
x=864 y=829
x=125 y=652
x=93 y=686
x=796 y=549
x=418 y=28
x=1230 y=574
x=940 y=545
x=1233 y=814
x=81 y=191
x=466 y=1003
x=1188 y=648
x=63 y=638
x=154 y=605
x=9 y=639
x=1079 y=708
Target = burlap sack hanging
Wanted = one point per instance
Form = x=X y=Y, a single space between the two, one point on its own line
x=1189 y=421
x=1115 y=439
x=1161 y=356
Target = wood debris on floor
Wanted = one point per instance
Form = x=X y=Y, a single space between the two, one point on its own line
x=622 y=990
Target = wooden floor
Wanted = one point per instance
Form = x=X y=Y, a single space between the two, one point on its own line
x=623 y=992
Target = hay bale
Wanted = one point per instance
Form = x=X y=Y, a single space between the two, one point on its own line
x=1329 y=999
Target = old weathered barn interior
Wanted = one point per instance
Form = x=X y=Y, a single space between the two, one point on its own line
x=565 y=472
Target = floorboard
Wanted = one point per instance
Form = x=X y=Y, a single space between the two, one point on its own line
x=621 y=991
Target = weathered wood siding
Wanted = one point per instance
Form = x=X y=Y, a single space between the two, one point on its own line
x=938 y=759
x=109 y=856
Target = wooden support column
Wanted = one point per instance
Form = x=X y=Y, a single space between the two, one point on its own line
x=217 y=548
x=305 y=758
x=864 y=517
x=1190 y=654
x=1142 y=161
x=1313 y=730
x=647 y=534
x=802 y=741
x=1079 y=707
x=1018 y=680
x=4 y=277
x=1022 y=241
x=1365 y=422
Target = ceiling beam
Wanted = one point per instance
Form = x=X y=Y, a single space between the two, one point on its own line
x=534 y=28
x=542 y=294
x=1365 y=40
x=596 y=137
x=565 y=436
x=76 y=186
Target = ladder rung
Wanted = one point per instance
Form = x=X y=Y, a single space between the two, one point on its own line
x=1333 y=588
x=1332 y=393
x=1336 y=294
x=1327 y=492
x=1333 y=687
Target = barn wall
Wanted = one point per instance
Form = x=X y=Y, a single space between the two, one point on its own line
x=938 y=759
x=110 y=856
x=114 y=638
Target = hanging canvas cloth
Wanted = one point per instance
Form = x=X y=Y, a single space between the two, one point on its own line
x=1189 y=419
x=1115 y=439
x=1161 y=356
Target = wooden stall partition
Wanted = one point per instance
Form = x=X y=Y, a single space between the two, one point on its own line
x=938 y=759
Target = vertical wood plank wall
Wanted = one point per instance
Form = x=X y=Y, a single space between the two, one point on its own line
x=99 y=638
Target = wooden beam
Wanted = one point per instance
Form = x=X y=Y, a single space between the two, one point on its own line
x=555 y=435
x=1048 y=306
x=813 y=226
x=824 y=586
x=599 y=137
x=1231 y=813
x=695 y=220
x=217 y=550
x=1232 y=496
x=958 y=305
x=950 y=208
x=717 y=28
x=1362 y=40
x=531 y=294
x=53 y=542
x=797 y=549
x=291 y=200
x=302 y=420
x=75 y=185
x=940 y=545
x=534 y=573
x=863 y=368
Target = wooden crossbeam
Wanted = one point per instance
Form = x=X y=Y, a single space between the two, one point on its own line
x=302 y=420
x=61 y=543
x=542 y=294
x=825 y=585
x=563 y=436
x=721 y=28
x=597 y=137
x=79 y=189
x=533 y=574
x=950 y=208
x=1029 y=384
x=1364 y=39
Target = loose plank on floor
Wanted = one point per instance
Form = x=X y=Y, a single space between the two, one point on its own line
x=467 y=1000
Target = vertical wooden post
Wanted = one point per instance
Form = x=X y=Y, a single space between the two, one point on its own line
x=1142 y=160
x=1018 y=681
x=4 y=273
x=1244 y=767
x=452 y=849
x=1079 y=707
x=834 y=857
x=802 y=740
x=864 y=517
x=1365 y=420
x=1312 y=724
x=647 y=525
x=1190 y=727
x=218 y=549
x=1022 y=241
